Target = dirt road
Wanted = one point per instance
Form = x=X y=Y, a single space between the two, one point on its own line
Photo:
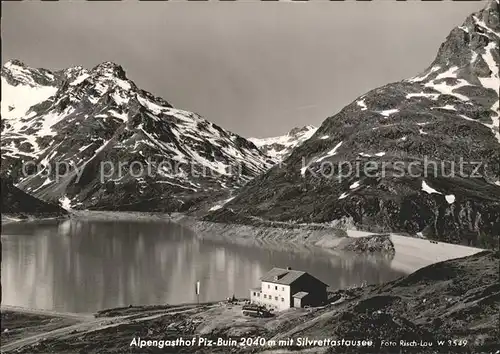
x=88 y=323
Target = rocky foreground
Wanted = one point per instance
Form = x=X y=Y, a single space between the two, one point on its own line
x=450 y=306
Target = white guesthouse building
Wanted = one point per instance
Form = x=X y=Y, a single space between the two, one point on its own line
x=282 y=289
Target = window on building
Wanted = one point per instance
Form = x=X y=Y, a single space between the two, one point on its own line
x=276 y=287
x=254 y=293
x=276 y=298
x=282 y=288
x=282 y=299
x=268 y=286
x=258 y=294
x=265 y=296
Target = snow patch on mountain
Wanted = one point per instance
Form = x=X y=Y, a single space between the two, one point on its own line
x=421 y=78
x=362 y=104
x=330 y=153
x=493 y=81
x=119 y=115
x=220 y=205
x=17 y=100
x=484 y=27
x=343 y=196
x=65 y=203
x=153 y=107
x=79 y=79
x=378 y=154
x=439 y=83
x=450 y=198
x=355 y=185
x=432 y=96
x=428 y=189
x=447 y=107
x=388 y=112
x=279 y=147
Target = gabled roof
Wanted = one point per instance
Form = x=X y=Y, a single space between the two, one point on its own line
x=285 y=276
x=282 y=276
x=300 y=294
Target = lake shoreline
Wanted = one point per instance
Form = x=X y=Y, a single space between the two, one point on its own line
x=328 y=238
x=8 y=218
x=396 y=310
x=410 y=253
x=322 y=236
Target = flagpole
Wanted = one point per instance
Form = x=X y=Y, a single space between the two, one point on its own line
x=197 y=289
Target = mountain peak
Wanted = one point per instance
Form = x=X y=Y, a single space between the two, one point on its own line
x=279 y=147
x=14 y=62
x=16 y=73
x=74 y=71
x=492 y=4
x=109 y=68
x=465 y=43
x=299 y=130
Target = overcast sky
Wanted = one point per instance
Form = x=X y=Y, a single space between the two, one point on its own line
x=258 y=69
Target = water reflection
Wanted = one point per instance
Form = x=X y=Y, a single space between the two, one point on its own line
x=84 y=266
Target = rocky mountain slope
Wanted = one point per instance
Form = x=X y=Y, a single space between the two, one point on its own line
x=95 y=140
x=419 y=155
x=15 y=201
x=280 y=147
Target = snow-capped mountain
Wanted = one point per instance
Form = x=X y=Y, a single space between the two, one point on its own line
x=122 y=145
x=428 y=149
x=279 y=147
